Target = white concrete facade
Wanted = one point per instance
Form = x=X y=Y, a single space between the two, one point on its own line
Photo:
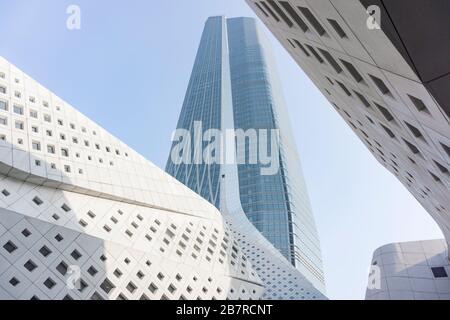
x=410 y=271
x=375 y=90
x=73 y=197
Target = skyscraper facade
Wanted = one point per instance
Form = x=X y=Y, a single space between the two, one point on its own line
x=234 y=74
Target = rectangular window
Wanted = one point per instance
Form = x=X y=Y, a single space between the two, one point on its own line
x=4 y=121
x=18 y=109
x=301 y=47
x=362 y=99
x=312 y=19
x=3 y=89
x=389 y=117
x=337 y=28
x=388 y=131
x=281 y=13
x=381 y=85
x=36 y=145
x=420 y=106
x=351 y=68
x=439 y=272
x=315 y=53
x=344 y=88
x=64 y=152
x=294 y=15
x=33 y=114
x=3 y=105
x=261 y=9
x=19 y=125
x=331 y=60
x=270 y=11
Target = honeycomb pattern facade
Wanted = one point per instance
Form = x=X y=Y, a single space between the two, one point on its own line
x=74 y=198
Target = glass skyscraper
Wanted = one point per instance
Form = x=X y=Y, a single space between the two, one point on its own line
x=234 y=69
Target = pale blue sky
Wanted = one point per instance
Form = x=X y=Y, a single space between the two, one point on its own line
x=128 y=69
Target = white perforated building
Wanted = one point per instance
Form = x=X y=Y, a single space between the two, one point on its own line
x=83 y=216
x=384 y=66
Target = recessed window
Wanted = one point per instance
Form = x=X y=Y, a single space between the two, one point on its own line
x=60 y=122
x=412 y=147
x=3 y=105
x=18 y=109
x=388 y=131
x=3 y=121
x=67 y=168
x=83 y=223
x=30 y=265
x=261 y=9
x=439 y=272
x=26 y=233
x=301 y=47
x=47 y=118
x=294 y=15
x=312 y=19
x=352 y=70
x=441 y=168
x=92 y=271
x=64 y=152
x=153 y=288
x=35 y=129
x=131 y=287
x=381 y=85
x=331 y=60
x=65 y=207
x=10 y=247
x=281 y=13
x=51 y=149
x=37 y=201
x=76 y=254
x=36 y=145
x=416 y=132
x=446 y=148
x=315 y=53
x=388 y=116
x=19 y=125
x=337 y=28
x=344 y=88
x=45 y=251
x=267 y=8
x=3 y=89
x=49 y=283
x=59 y=237
x=362 y=99
x=33 y=114
x=118 y=273
x=435 y=177
x=14 y=282
x=107 y=286
x=5 y=193
x=419 y=104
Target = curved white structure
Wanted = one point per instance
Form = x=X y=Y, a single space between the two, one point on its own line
x=384 y=66
x=417 y=270
x=78 y=206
